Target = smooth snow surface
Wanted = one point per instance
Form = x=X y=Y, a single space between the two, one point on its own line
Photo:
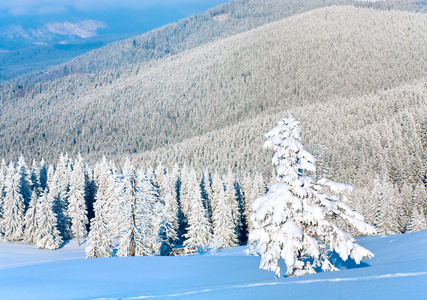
x=398 y=271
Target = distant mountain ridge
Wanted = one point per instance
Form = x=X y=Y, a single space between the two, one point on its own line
x=222 y=21
x=33 y=43
x=49 y=32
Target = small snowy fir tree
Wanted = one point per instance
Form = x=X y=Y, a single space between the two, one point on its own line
x=185 y=190
x=3 y=169
x=77 y=210
x=223 y=225
x=169 y=215
x=417 y=220
x=231 y=199
x=13 y=206
x=199 y=228
x=47 y=235
x=107 y=187
x=35 y=176
x=61 y=188
x=99 y=239
x=137 y=217
x=296 y=220
x=43 y=175
x=26 y=183
x=31 y=220
x=207 y=193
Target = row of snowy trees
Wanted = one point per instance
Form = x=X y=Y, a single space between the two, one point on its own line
x=43 y=205
x=149 y=212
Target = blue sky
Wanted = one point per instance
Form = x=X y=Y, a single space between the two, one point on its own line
x=53 y=7
x=131 y=17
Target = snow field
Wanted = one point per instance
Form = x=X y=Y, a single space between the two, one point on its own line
x=398 y=271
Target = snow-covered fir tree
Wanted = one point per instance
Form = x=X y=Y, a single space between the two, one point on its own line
x=3 y=169
x=35 y=177
x=13 y=205
x=207 y=193
x=199 y=230
x=99 y=238
x=297 y=221
x=223 y=225
x=43 y=174
x=31 y=219
x=61 y=187
x=231 y=200
x=387 y=219
x=253 y=187
x=47 y=235
x=26 y=184
x=217 y=189
x=417 y=220
x=185 y=190
x=405 y=207
x=138 y=212
x=77 y=210
x=169 y=214
x=106 y=184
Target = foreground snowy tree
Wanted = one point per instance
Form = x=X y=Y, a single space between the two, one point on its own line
x=297 y=220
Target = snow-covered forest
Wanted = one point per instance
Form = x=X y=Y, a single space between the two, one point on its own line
x=149 y=211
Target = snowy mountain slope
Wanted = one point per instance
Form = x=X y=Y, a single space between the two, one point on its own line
x=280 y=65
x=398 y=271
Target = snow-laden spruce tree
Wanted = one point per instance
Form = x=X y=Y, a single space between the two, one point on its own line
x=47 y=235
x=417 y=219
x=31 y=219
x=107 y=187
x=99 y=238
x=297 y=221
x=60 y=188
x=169 y=213
x=13 y=205
x=223 y=226
x=199 y=229
x=77 y=210
x=231 y=200
x=138 y=215
x=3 y=169
x=26 y=183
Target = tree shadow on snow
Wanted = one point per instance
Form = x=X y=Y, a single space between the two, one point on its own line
x=348 y=264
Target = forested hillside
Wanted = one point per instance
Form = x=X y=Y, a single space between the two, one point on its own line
x=305 y=59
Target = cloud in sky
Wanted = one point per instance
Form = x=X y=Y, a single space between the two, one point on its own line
x=49 y=7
